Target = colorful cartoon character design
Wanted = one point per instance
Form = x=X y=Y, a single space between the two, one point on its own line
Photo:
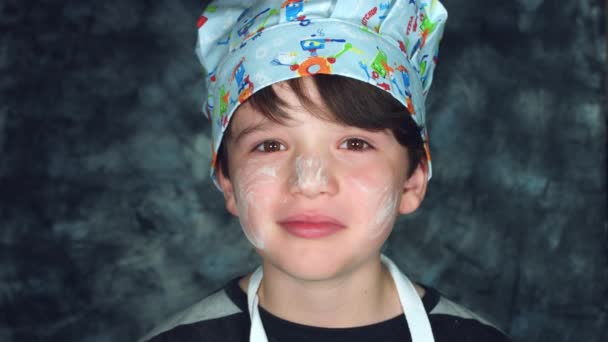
x=406 y=83
x=380 y=68
x=315 y=64
x=201 y=21
x=380 y=65
x=403 y=47
x=243 y=31
x=222 y=118
x=384 y=7
x=313 y=44
x=372 y=12
x=423 y=67
x=382 y=71
x=417 y=46
x=209 y=108
x=211 y=75
x=294 y=11
x=245 y=86
x=225 y=41
x=404 y=76
x=427 y=27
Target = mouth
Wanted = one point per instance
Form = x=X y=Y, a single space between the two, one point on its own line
x=311 y=226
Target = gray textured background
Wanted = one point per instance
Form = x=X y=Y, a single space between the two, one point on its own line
x=109 y=223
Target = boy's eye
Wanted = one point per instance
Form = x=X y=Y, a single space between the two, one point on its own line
x=270 y=146
x=355 y=144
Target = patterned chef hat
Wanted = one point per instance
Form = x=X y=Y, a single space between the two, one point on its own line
x=245 y=46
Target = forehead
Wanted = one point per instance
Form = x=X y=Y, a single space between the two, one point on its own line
x=289 y=103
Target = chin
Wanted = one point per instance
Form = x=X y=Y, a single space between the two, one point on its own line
x=310 y=265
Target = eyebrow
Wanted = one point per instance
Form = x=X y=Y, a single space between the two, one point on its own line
x=264 y=125
x=260 y=126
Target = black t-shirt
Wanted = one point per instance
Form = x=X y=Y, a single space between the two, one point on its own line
x=223 y=316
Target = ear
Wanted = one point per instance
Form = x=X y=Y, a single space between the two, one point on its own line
x=414 y=189
x=228 y=191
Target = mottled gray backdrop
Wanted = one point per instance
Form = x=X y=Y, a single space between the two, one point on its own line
x=109 y=223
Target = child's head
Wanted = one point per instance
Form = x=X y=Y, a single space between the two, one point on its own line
x=318 y=121
x=306 y=166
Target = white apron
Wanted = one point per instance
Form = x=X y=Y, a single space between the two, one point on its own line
x=415 y=314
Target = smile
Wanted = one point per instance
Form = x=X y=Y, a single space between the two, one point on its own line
x=311 y=227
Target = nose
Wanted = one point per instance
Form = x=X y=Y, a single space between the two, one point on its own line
x=312 y=176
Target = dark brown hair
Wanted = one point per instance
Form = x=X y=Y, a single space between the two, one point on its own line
x=349 y=102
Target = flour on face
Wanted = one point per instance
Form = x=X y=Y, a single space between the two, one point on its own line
x=309 y=173
x=268 y=171
x=388 y=201
x=385 y=200
x=251 y=198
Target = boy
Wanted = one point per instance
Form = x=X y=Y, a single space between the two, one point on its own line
x=317 y=111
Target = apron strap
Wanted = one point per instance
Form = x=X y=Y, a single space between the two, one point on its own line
x=257 y=332
x=415 y=314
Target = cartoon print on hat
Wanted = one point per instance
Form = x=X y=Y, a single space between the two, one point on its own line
x=313 y=64
x=245 y=46
x=244 y=85
x=294 y=11
x=375 y=15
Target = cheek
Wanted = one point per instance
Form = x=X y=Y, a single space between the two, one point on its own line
x=254 y=193
x=377 y=198
x=386 y=212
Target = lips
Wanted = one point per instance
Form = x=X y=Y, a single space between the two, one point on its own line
x=311 y=226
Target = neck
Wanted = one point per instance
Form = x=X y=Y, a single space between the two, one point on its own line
x=363 y=296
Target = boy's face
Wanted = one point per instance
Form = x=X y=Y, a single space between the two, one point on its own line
x=314 y=197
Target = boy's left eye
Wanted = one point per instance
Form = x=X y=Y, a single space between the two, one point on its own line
x=355 y=144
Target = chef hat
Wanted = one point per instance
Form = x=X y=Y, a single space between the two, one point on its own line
x=245 y=46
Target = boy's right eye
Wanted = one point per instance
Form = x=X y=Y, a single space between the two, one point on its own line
x=270 y=146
